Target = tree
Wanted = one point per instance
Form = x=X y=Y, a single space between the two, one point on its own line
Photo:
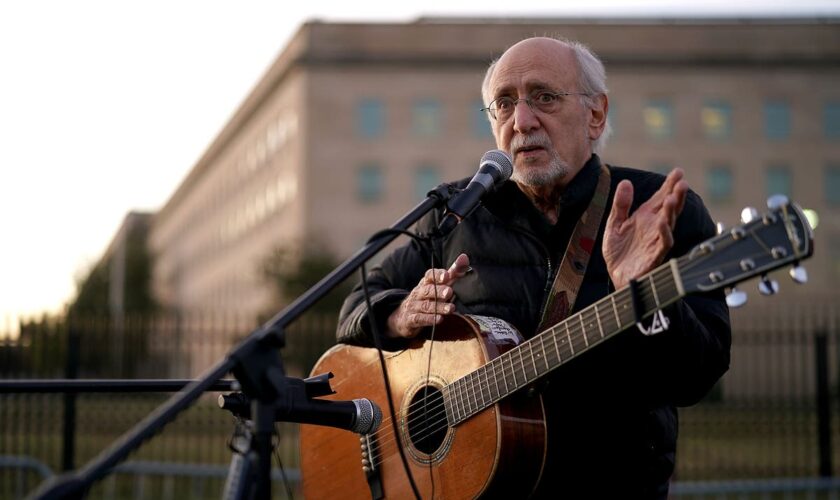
x=292 y=270
x=94 y=288
x=114 y=303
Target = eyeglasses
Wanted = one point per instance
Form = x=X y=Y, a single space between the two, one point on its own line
x=544 y=101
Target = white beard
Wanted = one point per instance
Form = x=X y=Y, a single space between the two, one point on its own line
x=534 y=176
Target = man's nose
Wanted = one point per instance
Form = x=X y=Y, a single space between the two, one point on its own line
x=524 y=118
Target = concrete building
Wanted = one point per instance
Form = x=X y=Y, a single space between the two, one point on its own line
x=353 y=123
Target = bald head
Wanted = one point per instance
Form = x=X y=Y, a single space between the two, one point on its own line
x=564 y=55
x=539 y=50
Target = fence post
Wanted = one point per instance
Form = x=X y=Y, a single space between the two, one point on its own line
x=71 y=370
x=823 y=404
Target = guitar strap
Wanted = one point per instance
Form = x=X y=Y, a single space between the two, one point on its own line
x=576 y=259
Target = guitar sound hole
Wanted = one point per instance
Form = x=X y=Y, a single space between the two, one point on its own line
x=427 y=420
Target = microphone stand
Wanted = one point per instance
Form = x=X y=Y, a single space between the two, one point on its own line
x=255 y=365
x=105 y=385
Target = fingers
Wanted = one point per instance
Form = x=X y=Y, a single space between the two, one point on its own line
x=430 y=307
x=674 y=203
x=431 y=291
x=666 y=242
x=429 y=301
x=414 y=323
x=669 y=199
x=673 y=178
x=680 y=192
x=408 y=324
x=422 y=308
x=621 y=205
x=458 y=269
x=671 y=181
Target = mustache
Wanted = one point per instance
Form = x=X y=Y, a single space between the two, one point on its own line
x=529 y=141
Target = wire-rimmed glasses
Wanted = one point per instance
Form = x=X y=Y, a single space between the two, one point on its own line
x=544 y=101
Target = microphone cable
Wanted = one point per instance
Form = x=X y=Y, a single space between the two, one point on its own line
x=275 y=449
x=378 y=343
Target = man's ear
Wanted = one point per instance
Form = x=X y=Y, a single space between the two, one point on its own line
x=598 y=116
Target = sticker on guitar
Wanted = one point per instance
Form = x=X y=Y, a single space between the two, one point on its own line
x=658 y=324
x=498 y=330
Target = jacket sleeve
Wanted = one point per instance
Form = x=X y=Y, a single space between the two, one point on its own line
x=388 y=283
x=680 y=365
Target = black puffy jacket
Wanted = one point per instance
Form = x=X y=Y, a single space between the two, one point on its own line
x=612 y=421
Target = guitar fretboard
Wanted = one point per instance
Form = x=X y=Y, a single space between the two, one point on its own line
x=564 y=341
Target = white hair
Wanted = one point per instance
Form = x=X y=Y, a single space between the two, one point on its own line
x=592 y=79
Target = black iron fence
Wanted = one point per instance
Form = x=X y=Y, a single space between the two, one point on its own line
x=775 y=414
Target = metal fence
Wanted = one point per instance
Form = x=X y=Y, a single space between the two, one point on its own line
x=774 y=415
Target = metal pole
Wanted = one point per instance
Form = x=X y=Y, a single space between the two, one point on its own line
x=71 y=371
x=823 y=405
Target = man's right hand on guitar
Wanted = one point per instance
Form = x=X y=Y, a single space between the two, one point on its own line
x=429 y=301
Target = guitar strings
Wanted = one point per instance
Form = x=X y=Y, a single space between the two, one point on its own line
x=439 y=399
x=435 y=405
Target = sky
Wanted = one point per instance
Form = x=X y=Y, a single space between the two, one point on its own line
x=106 y=106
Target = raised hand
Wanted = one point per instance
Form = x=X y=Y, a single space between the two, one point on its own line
x=635 y=244
x=429 y=301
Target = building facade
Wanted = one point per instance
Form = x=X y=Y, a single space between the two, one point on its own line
x=354 y=123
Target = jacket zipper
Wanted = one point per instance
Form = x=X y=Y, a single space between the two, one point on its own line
x=549 y=279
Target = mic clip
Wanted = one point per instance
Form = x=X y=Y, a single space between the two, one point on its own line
x=239 y=403
x=318 y=386
x=442 y=193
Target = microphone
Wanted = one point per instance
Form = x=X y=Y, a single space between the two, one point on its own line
x=361 y=416
x=494 y=169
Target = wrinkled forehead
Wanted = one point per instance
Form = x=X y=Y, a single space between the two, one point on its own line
x=532 y=65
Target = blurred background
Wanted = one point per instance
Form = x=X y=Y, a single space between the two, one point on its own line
x=174 y=175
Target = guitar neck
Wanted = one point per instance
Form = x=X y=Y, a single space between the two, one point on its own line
x=559 y=344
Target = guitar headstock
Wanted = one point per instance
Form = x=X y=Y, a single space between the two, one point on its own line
x=781 y=236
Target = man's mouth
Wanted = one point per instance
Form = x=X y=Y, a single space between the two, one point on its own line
x=528 y=149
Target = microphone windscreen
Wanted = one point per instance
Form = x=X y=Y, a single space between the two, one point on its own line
x=500 y=160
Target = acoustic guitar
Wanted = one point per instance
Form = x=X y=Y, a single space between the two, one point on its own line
x=467 y=423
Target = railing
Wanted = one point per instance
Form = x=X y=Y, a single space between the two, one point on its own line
x=774 y=415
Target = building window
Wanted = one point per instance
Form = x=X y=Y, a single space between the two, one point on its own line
x=369 y=183
x=425 y=118
x=481 y=121
x=778 y=180
x=719 y=183
x=659 y=119
x=831 y=119
x=426 y=178
x=776 y=120
x=370 y=118
x=832 y=184
x=716 y=117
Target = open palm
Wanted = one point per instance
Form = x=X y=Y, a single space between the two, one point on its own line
x=635 y=244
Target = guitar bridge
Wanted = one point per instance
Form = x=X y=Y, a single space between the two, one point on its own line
x=369 y=448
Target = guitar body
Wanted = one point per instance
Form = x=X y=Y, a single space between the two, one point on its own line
x=496 y=452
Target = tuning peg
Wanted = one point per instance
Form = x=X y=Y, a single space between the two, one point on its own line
x=777 y=201
x=767 y=286
x=736 y=298
x=749 y=214
x=799 y=274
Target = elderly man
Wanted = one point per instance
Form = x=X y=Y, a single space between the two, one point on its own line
x=611 y=416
